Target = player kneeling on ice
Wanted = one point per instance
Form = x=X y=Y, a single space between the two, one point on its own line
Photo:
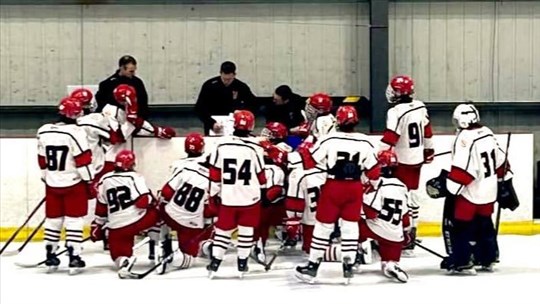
x=345 y=155
x=387 y=217
x=478 y=177
x=187 y=205
x=125 y=203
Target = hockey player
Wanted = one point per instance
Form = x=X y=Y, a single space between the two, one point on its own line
x=187 y=205
x=126 y=122
x=409 y=133
x=318 y=111
x=125 y=203
x=237 y=175
x=272 y=199
x=345 y=155
x=471 y=190
x=387 y=217
x=97 y=128
x=66 y=166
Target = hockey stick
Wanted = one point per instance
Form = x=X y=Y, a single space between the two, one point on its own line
x=22 y=226
x=167 y=259
x=43 y=262
x=498 y=218
x=419 y=244
x=30 y=237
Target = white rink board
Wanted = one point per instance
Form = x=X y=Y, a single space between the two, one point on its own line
x=21 y=187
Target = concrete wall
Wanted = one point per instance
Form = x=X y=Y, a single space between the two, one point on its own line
x=484 y=51
x=312 y=47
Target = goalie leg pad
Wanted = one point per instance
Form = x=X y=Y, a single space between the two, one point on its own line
x=461 y=247
x=486 y=242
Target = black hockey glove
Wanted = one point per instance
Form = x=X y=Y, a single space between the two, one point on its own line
x=436 y=187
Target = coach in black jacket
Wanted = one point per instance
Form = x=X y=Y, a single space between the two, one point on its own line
x=286 y=107
x=222 y=95
x=127 y=65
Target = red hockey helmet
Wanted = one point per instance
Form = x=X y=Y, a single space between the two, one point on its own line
x=275 y=130
x=125 y=160
x=83 y=95
x=125 y=93
x=401 y=85
x=70 y=108
x=194 y=143
x=387 y=158
x=346 y=115
x=244 y=120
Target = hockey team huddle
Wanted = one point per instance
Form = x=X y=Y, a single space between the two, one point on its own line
x=334 y=193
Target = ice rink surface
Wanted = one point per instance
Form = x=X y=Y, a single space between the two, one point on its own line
x=516 y=280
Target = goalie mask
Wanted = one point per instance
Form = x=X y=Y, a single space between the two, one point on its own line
x=465 y=115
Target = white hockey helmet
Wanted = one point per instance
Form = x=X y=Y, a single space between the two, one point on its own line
x=464 y=115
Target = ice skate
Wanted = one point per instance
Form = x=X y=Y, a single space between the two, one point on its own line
x=392 y=270
x=242 y=267
x=76 y=264
x=52 y=261
x=307 y=273
x=213 y=267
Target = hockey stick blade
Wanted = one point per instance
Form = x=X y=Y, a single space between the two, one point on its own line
x=138 y=276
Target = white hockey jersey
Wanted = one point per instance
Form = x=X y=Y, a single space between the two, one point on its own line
x=354 y=147
x=117 y=120
x=97 y=128
x=237 y=171
x=275 y=177
x=64 y=156
x=306 y=185
x=390 y=201
x=189 y=186
x=119 y=191
x=476 y=161
x=409 y=130
x=323 y=125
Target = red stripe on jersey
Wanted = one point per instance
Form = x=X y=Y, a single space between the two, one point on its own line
x=307 y=159
x=390 y=137
x=428 y=132
x=261 y=177
x=101 y=210
x=460 y=176
x=215 y=174
x=83 y=159
x=42 y=162
x=142 y=201
x=167 y=192
x=374 y=173
x=370 y=212
x=294 y=204
x=501 y=169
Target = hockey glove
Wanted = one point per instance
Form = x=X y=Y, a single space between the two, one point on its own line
x=164 y=132
x=436 y=187
x=96 y=232
x=506 y=195
x=91 y=190
x=429 y=154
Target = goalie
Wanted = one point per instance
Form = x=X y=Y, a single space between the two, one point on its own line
x=471 y=189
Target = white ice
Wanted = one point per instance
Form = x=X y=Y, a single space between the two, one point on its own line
x=516 y=279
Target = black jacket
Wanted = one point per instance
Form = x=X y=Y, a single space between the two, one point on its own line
x=105 y=96
x=217 y=99
x=290 y=114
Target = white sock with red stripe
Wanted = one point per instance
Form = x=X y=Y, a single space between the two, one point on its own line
x=53 y=228
x=222 y=239
x=349 y=240
x=74 y=233
x=245 y=241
